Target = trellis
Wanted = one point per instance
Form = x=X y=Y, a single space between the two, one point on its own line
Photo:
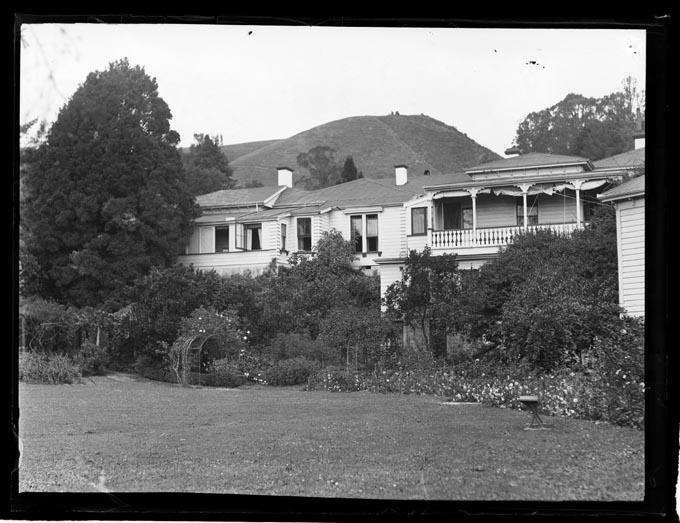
x=187 y=351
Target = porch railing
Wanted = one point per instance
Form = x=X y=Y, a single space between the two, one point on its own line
x=491 y=236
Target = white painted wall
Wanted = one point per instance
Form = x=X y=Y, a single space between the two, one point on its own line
x=388 y=275
x=233 y=262
x=630 y=231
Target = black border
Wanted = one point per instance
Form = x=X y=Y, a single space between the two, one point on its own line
x=661 y=420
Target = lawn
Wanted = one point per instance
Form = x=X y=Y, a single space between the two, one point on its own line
x=121 y=434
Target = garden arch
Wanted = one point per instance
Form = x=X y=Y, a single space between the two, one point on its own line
x=187 y=355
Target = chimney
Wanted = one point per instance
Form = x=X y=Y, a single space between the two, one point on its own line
x=285 y=176
x=512 y=151
x=639 y=134
x=400 y=174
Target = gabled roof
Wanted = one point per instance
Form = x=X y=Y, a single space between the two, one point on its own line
x=525 y=161
x=233 y=197
x=357 y=193
x=629 y=189
x=633 y=159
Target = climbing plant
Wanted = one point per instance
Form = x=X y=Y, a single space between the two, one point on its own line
x=205 y=336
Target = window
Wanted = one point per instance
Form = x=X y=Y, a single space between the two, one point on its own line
x=253 y=236
x=372 y=233
x=304 y=234
x=221 y=239
x=418 y=220
x=532 y=213
x=467 y=217
x=284 y=229
x=355 y=231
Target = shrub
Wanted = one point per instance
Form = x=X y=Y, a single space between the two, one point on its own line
x=47 y=326
x=222 y=374
x=36 y=367
x=92 y=358
x=300 y=345
x=294 y=371
x=252 y=366
x=335 y=379
x=358 y=335
x=154 y=367
x=566 y=393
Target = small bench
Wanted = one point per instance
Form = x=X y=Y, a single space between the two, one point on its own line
x=532 y=403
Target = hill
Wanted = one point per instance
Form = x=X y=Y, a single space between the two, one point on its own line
x=377 y=144
x=236 y=150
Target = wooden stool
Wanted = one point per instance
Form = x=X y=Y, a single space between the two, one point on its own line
x=532 y=403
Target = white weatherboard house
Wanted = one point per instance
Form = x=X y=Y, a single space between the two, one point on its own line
x=473 y=214
x=629 y=200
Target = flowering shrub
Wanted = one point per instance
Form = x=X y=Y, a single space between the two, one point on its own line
x=293 y=371
x=38 y=367
x=222 y=374
x=569 y=394
x=252 y=367
x=336 y=379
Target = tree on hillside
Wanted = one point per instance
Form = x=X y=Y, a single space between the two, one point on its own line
x=207 y=168
x=349 y=171
x=590 y=127
x=322 y=166
x=106 y=197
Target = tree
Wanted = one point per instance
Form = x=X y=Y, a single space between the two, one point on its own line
x=297 y=298
x=426 y=298
x=321 y=164
x=590 y=127
x=106 y=194
x=349 y=171
x=546 y=298
x=207 y=168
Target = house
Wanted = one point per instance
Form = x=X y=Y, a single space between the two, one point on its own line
x=473 y=214
x=629 y=201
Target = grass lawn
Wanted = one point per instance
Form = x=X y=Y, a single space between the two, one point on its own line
x=133 y=435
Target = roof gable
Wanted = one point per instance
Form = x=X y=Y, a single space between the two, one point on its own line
x=524 y=161
x=633 y=159
x=631 y=188
x=234 y=197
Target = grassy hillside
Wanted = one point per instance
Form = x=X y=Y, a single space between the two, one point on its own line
x=233 y=151
x=376 y=143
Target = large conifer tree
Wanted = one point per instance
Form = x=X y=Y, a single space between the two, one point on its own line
x=106 y=197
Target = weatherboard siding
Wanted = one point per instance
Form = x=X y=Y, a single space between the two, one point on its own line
x=388 y=275
x=389 y=232
x=557 y=209
x=630 y=230
x=494 y=211
x=232 y=262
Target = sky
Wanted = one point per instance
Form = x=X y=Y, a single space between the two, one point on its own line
x=251 y=82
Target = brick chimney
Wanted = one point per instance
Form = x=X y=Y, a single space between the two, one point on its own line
x=400 y=174
x=285 y=176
